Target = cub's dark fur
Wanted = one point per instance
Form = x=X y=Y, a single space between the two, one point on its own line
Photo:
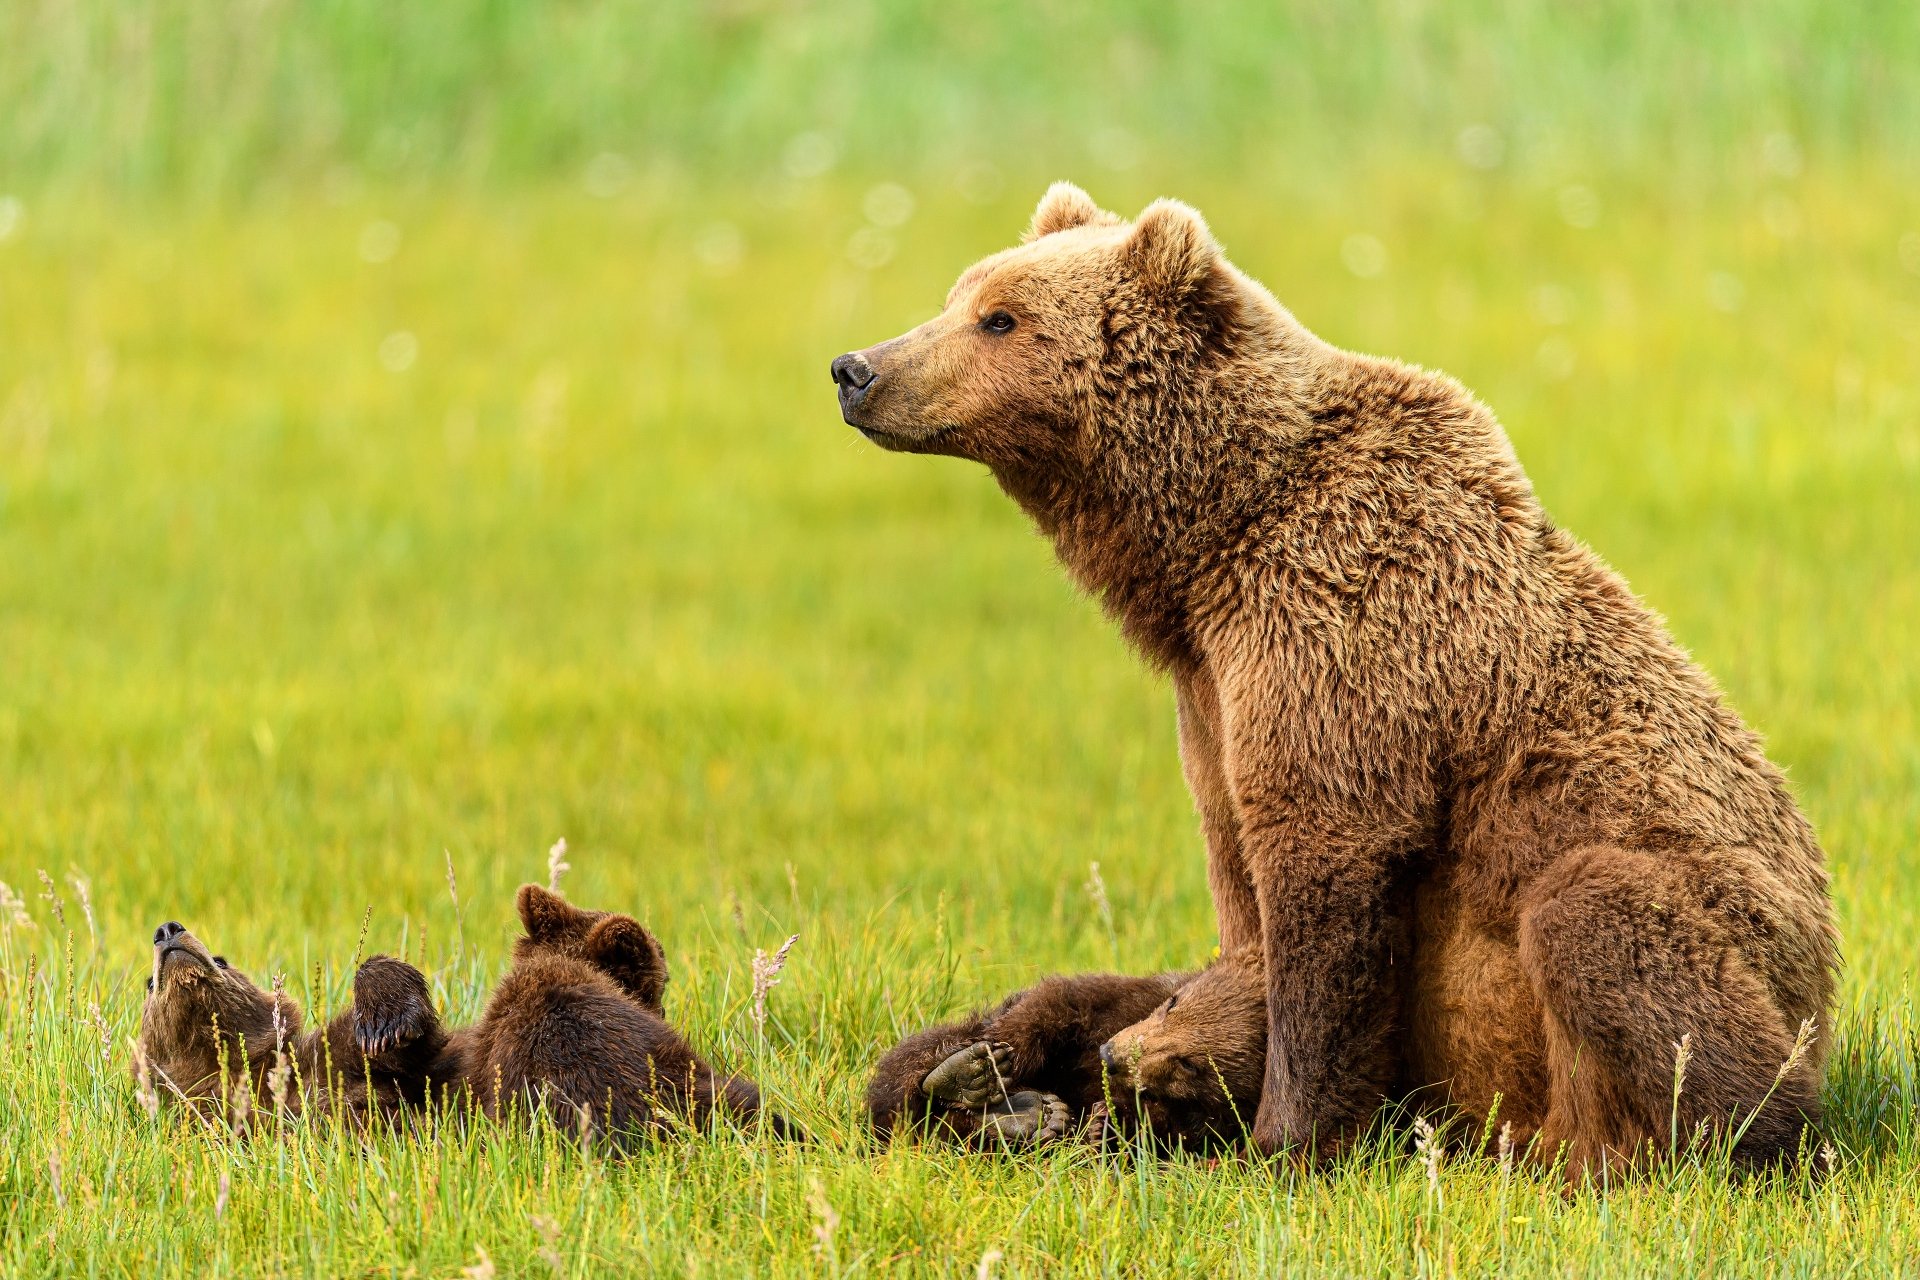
x=1180 y=1052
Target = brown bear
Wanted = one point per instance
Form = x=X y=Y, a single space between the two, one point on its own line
x=1491 y=828
x=1180 y=1053
x=212 y=1038
x=577 y=1027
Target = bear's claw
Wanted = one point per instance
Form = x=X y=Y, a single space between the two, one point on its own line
x=1028 y=1119
x=971 y=1078
x=391 y=1006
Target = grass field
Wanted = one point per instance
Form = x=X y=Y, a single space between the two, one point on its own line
x=368 y=523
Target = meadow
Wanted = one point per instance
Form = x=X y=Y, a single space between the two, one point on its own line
x=378 y=506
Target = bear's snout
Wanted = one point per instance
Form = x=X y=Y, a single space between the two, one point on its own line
x=853 y=375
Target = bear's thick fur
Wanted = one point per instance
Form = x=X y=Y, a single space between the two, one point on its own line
x=1024 y=1072
x=1192 y=1069
x=577 y=1027
x=1492 y=829
x=1184 y=1052
x=213 y=1039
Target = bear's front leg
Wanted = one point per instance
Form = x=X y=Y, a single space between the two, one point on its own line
x=1235 y=905
x=1327 y=917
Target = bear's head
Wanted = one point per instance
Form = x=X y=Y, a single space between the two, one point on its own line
x=205 y=1022
x=618 y=946
x=1200 y=1058
x=1038 y=344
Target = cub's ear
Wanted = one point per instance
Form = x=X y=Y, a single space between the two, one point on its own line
x=621 y=948
x=1066 y=206
x=1171 y=251
x=545 y=915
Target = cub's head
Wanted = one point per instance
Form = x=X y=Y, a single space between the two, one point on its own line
x=1205 y=1049
x=1037 y=342
x=203 y=1016
x=616 y=945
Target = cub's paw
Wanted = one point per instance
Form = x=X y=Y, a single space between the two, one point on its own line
x=971 y=1078
x=392 y=1007
x=1028 y=1119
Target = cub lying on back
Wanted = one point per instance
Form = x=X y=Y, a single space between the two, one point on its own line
x=211 y=1038
x=576 y=1027
x=1182 y=1053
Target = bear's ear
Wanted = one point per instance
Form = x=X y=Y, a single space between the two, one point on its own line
x=621 y=948
x=545 y=915
x=1171 y=251
x=1064 y=207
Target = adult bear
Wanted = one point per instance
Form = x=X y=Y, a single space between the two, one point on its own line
x=1494 y=832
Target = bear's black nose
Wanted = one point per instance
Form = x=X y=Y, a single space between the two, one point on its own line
x=1106 y=1054
x=852 y=371
x=168 y=932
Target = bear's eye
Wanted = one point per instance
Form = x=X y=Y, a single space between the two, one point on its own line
x=998 y=322
x=149 y=984
x=221 y=961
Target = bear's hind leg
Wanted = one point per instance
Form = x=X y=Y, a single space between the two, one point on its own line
x=1627 y=962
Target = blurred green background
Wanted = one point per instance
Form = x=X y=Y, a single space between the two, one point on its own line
x=225 y=94
x=416 y=445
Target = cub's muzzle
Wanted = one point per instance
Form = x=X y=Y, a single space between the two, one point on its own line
x=173 y=945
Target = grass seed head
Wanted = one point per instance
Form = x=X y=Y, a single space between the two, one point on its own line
x=13 y=909
x=52 y=896
x=1426 y=1146
x=105 y=1032
x=1802 y=1043
x=826 y=1221
x=1097 y=890
x=82 y=891
x=766 y=976
x=143 y=1089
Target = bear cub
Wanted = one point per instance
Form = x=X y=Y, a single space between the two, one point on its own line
x=214 y=1040
x=1180 y=1055
x=578 y=1023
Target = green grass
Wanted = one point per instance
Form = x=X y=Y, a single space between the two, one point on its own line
x=283 y=631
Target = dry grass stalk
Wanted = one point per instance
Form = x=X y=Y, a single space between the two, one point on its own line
x=826 y=1222
x=52 y=896
x=82 y=891
x=766 y=976
x=13 y=909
